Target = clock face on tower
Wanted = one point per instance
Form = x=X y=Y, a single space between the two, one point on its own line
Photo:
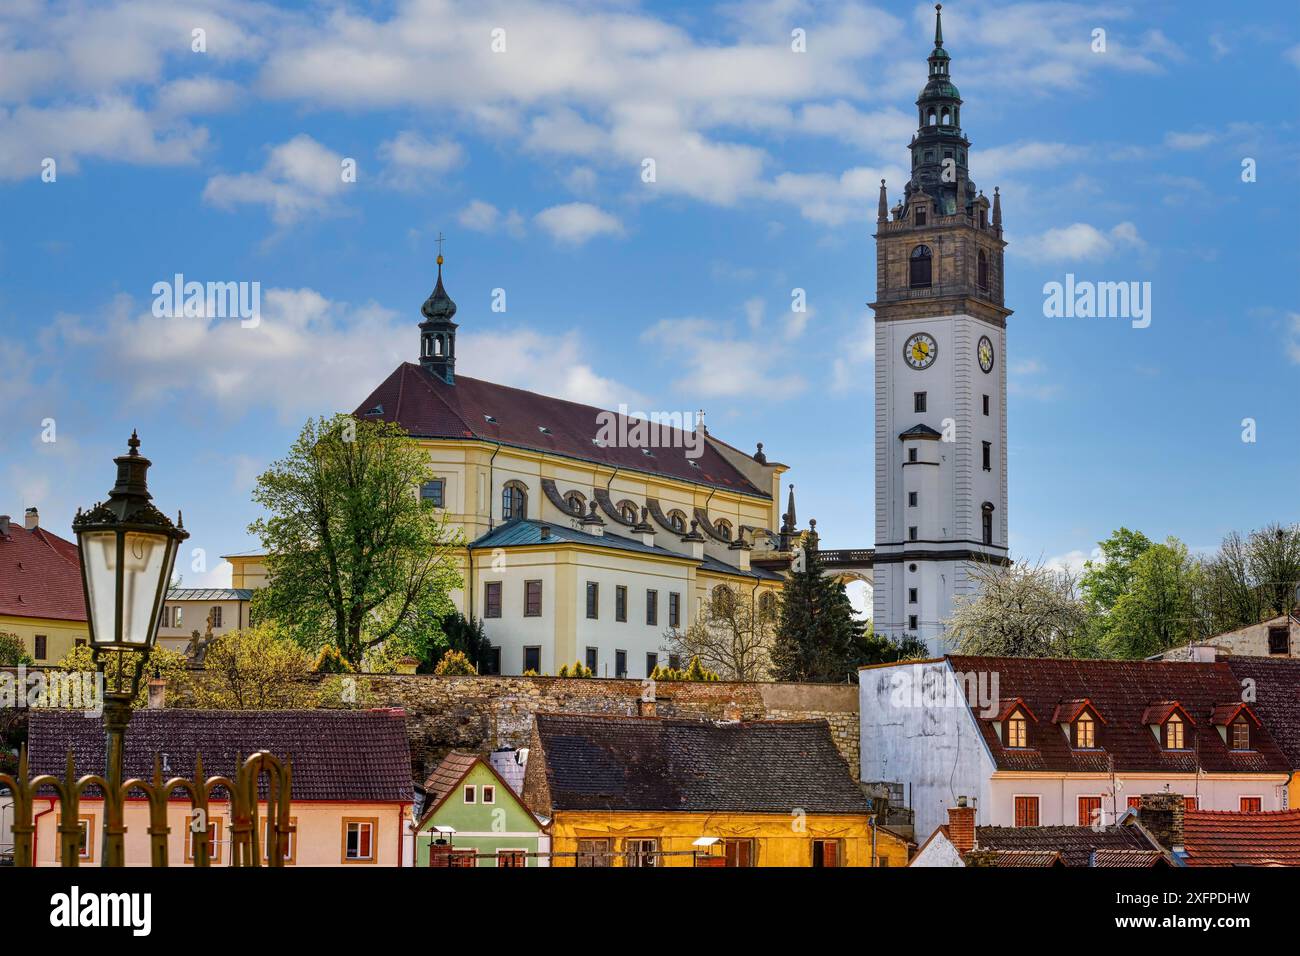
x=985 y=351
x=919 y=350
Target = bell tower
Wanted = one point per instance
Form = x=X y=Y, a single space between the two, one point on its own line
x=438 y=331
x=940 y=326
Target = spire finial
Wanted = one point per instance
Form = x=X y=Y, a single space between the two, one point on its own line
x=938 y=24
x=440 y=241
x=882 y=209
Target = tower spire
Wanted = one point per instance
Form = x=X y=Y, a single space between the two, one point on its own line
x=438 y=331
x=938 y=24
x=882 y=211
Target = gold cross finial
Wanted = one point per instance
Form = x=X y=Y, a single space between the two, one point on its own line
x=440 y=241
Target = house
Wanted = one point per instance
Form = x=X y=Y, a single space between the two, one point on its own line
x=42 y=599
x=960 y=843
x=1045 y=742
x=647 y=791
x=1273 y=688
x=1237 y=838
x=197 y=610
x=471 y=817
x=351 y=786
x=1277 y=637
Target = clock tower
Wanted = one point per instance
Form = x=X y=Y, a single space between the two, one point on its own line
x=941 y=376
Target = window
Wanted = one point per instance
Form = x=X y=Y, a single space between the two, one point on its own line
x=1017 y=730
x=212 y=837
x=628 y=511
x=652 y=608
x=723 y=527
x=912 y=533
x=85 y=842
x=988 y=455
x=489 y=793
x=738 y=852
x=577 y=504
x=532 y=599
x=432 y=492
x=678 y=520
x=674 y=609
x=1174 y=733
x=912 y=624
x=215 y=614
x=723 y=598
x=826 y=853
x=471 y=794
x=593 y=659
x=675 y=662
x=641 y=852
x=767 y=606
x=359 y=839
x=920 y=215
x=651 y=662
x=911 y=499
x=1090 y=811
x=986 y=522
x=982 y=269
x=40 y=648
x=1252 y=804
x=593 y=600
x=289 y=849
x=492 y=599
x=919 y=271
x=507 y=859
x=620 y=663
x=1279 y=639
x=492 y=663
x=1135 y=803
x=911 y=595
x=594 y=852
x=79 y=642
x=986 y=404
x=178 y=617
x=533 y=660
x=1191 y=803
x=1240 y=734
x=620 y=603
x=911 y=454
x=514 y=502
x=918 y=401
x=1085 y=732
x=1026 y=811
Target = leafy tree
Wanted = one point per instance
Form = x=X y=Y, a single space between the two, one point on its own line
x=1104 y=581
x=1160 y=608
x=12 y=650
x=256 y=668
x=1020 y=610
x=355 y=556
x=455 y=664
x=817 y=635
x=170 y=665
x=872 y=648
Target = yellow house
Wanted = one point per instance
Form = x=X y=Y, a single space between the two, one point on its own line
x=351 y=787
x=41 y=595
x=647 y=791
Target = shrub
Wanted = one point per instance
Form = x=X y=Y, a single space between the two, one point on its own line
x=455 y=664
x=331 y=661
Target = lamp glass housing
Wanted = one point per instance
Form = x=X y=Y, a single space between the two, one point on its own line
x=135 y=565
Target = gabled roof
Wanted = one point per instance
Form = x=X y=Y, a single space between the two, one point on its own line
x=1123 y=691
x=1075 y=844
x=427 y=407
x=1068 y=711
x=1277 y=698
x=1162 y=710
x=921 y=431
x=1009 y=705
x=596 y=762
x=1225 y=714
x=343 y=755
x=1232 y=838
x=446 y=779
x=40 y=575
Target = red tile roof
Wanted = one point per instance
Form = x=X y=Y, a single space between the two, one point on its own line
x=427 y=407
x=1276 y=682
x=1068 y=711
x=1162 y=710
x=1123 y=691
x=1076 y=845
x=40 y=576
x=1232 y=838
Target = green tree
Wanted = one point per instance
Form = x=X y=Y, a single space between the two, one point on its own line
x=456 y=632
x=12 y=650
x=1019 y=610
x=817 y=635
x=170 y=665
x=1104 y=581
x=355 y=556
x=1160 y=609
x=257 y=668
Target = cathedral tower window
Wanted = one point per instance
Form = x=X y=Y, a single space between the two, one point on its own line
x=983 y=268
x=920 y=272
x=986 y=521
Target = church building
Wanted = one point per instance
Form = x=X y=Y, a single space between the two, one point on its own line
x=591 y=535
x=941 y=376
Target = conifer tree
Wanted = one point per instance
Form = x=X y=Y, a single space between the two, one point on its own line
x=816 y=635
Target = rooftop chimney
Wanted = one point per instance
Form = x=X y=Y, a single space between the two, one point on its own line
x=1204 y=653
x=1162 y=815
x=157 y=692
x=32 y=519
x=4 y=526
x=961 y=826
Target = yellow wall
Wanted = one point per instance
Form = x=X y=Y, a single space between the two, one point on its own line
x=60 y=636
x=248 y=570
x=780 y=840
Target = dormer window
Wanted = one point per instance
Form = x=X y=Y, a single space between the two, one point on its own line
x=1017 y=730
x=1085 y=732
x=1174 y=737
x=1240 y=734
x=723 y=527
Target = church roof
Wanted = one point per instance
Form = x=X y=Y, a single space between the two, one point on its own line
x=427 y=407
x=40 y=575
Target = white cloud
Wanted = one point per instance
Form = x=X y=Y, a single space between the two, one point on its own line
x=541 y=362
x=1079 y=242
x=1072 y=561
x=718 y=362
x=1024 y=379
x=577 y=222
x=481 y=216
x=413 y=163
x=193 y=95
x=1188 y=140
x=856 y=354
x=1293 y=337
x=300 y=177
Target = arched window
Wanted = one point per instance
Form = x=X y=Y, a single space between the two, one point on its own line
x=723 y=527
x=576 y=502
x=678 y=520
x=946 y=119
x=514 y=501
x=437 y=345
x=986 y=516
x=1174 y=733
x=1085 y=732
x=628 y=510
x=1017 y=730
x=920 y=273
x=930 y=118
x=767 y=606
x=723 y=599
x=983 y=271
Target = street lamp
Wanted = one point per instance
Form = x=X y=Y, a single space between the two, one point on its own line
x=128 y=548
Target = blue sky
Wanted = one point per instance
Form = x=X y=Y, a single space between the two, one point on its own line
x=224 y=165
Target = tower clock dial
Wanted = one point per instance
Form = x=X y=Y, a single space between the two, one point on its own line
x=919 y=350
x=985 y=351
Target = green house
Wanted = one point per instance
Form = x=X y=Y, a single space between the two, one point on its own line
x=473 y=818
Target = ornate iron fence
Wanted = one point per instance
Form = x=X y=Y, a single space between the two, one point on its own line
x=241 y=794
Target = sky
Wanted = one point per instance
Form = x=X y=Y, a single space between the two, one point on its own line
x=318 y=150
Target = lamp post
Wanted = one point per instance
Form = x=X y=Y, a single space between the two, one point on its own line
x=128 y=548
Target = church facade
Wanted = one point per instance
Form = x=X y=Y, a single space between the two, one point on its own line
x=941 y=386
x=590 y=535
